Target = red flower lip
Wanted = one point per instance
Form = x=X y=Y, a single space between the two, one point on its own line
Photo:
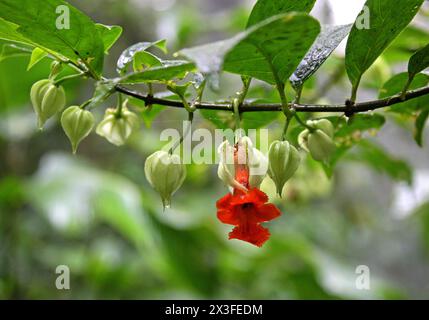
x=246 y=211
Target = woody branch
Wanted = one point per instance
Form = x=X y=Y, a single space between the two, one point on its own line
x=273 y=107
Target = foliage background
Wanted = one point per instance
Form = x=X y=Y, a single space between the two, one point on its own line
x=96 y=213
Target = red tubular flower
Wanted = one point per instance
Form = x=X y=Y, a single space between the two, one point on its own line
x=246 y=210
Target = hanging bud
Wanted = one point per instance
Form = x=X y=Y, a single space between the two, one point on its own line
x=284 y=160
x=319 y=142
x=321 y=146
x=117 y=128
x=303 y=139
x=243 y=153
x=77 y=124
x=323 y=124
x=165 y=174
x=47 y=99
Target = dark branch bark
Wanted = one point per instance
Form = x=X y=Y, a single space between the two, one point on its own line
x=248 y=107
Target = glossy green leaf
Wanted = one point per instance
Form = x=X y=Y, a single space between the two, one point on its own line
x=395 y=86
x=328 y=40
x=143 y=60
x=37 y=22
x=276 y=45
x=36 y=56
x=419 y=61
x=127 y=56
x=274 y=48
x=172 y=69
x=420 y=126
x=387 y=19
x=109 y=35
x=265 y=9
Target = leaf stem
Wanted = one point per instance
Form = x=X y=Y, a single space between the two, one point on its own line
x=120 y=106
x=407 y=85
x=286 y=127
x=67 y=78
x=184 y=134
x=355 y=90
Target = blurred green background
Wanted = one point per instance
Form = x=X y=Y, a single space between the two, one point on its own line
x=96 y=213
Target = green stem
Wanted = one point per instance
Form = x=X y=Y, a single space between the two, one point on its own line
x=245 y=90
x=67 y=78
x=302 y=123
x=407 y=85
x=354 y=91
x=184 y=134
x=91 y=71
x=85 y=104
x=298 y=95
x=291 y=115
x=120 y=106
x=286 y=127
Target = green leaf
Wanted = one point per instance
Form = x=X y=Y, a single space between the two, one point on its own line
x=358 y=124
x=377 y=158
x=128 y=54
x=412 y=38
x=37 y=22
x=143 y=60
x=420 y=126
x=395 y=86
x=8 y=31
x=169 y=71
x=273 y=49
x=209 y=57
x=10 y=50
x=419 y=61
x=387 y=19
x=275 y=45
x=109 y=35
x=103 y=90
x=265 y=9
x=162 y=45
x=328 y=40
x=36 y=56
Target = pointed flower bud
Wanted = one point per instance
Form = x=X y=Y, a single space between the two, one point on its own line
x=320 y=142
x=323 y=124
x=284 y=160
x=165 y=173
x=242 y=154
x=321 y=146
x=117 y=128
x=77 y=124
x=47 y=100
